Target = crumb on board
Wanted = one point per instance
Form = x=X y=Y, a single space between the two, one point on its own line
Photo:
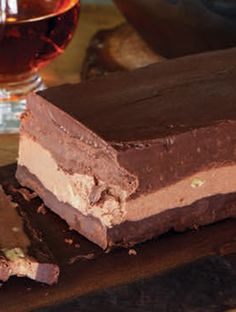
x=132 y=252
x=42 y=209
x=68 y=241
x=89 y=256
x=15 y=229
x=26 y=194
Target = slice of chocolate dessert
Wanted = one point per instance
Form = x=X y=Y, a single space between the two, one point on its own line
x=132 y=155
x=22 y=251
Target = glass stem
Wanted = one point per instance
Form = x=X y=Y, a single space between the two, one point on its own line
x=13 y=100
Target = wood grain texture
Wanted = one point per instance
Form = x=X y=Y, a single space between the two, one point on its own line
x=8 y=148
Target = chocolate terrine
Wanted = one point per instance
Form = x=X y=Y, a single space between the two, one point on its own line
x=132 y=155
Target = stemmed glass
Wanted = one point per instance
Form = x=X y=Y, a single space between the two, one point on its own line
x=32 y=34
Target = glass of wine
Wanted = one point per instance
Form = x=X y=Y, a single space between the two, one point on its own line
x=32 y=34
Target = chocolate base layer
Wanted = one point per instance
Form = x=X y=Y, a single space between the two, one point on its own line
x=22 y=250
x=205 y=211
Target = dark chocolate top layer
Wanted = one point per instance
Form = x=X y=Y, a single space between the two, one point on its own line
x=160 y=100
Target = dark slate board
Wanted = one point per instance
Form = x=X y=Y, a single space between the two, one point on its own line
x=205 y=285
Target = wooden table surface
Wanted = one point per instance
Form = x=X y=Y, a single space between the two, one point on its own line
x=153 y=258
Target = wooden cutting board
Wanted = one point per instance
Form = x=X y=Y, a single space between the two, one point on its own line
x=168 y=262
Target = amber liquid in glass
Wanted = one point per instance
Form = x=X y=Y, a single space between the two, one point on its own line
x=35 y=34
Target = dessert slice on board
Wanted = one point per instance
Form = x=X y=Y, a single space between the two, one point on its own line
x=132 y=155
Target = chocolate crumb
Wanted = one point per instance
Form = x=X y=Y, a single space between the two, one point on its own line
x=15 y=229
x=68 y=241
x=27 y=195
x=42 y=209
x=132 y=252
x=89 y=256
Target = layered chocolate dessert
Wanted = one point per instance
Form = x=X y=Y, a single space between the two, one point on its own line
x=22 y=250
x=134 y=154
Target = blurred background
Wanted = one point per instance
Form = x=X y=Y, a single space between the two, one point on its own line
x=98 y=1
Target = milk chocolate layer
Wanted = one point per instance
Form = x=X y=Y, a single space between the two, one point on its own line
x=22 y=251
x=136 y=140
